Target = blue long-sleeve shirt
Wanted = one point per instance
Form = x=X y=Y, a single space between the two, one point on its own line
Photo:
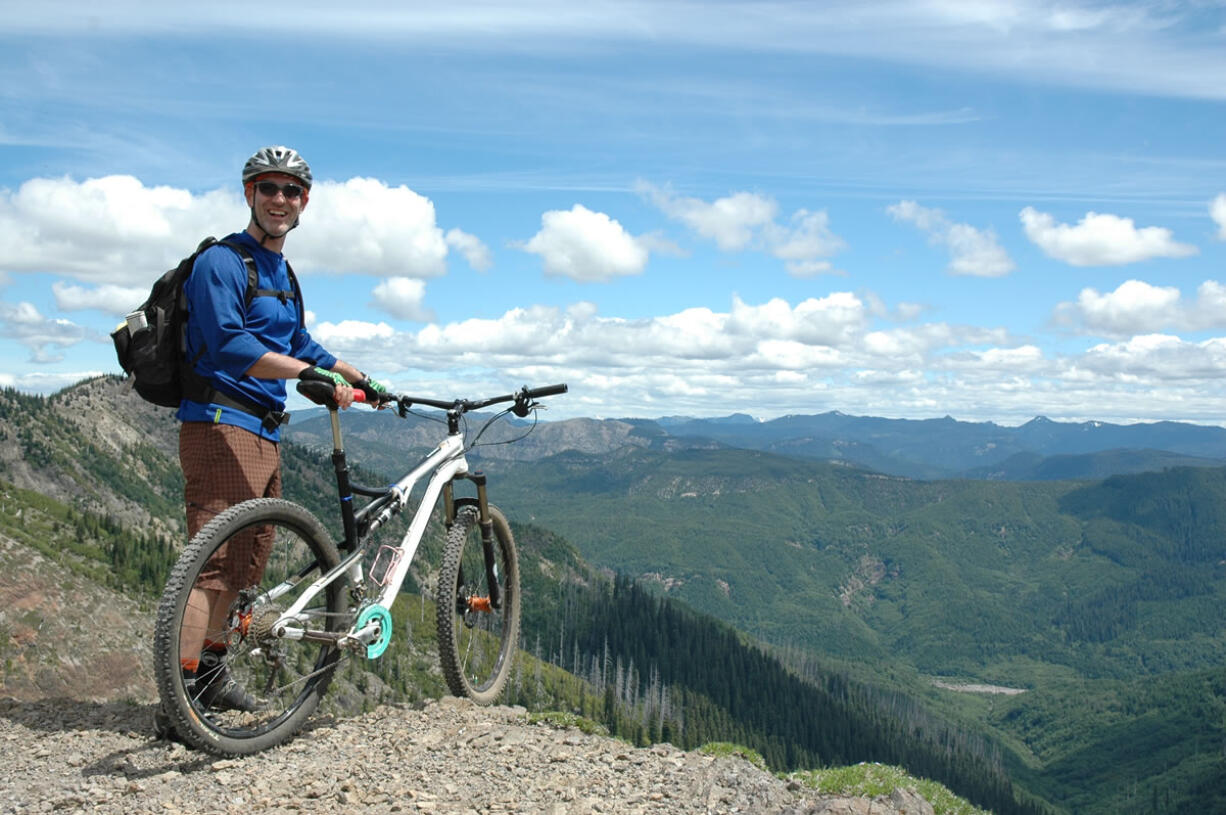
x=234 y=336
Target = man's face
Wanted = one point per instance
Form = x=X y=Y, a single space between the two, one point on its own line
x=276 y=210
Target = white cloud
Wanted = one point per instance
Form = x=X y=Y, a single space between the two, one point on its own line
x=688 y=341
x=402 y=297
x=1217 y=211
x=1135 y=307
x=1100 y=239
x=1157 y=359
x=747 y=220
x=46 y=381
x=45 y=337
x=367 y=227
x=1209 y=310
x=115 y=300
x=973 y=252
x=351 y=333
x=927 y=219
x=807 y=238
x=833 y=320
x=110 y=230
x=1139 y=308
x=1012 y=360
x=525 y=333
x=732 y=221
x=476 y=253
x=819 y=353
x=114 y=230
x=586 y=246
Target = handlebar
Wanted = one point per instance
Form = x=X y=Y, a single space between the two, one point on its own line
x=547 y=390
x=321 y=394
x=522 y=399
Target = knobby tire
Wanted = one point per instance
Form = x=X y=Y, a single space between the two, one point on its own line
x=286 y=677
x=477 y=644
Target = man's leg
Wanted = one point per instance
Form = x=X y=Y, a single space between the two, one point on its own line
x=222 y=466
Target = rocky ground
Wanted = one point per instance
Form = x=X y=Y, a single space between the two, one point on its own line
x=71 y=649
x=449 y=757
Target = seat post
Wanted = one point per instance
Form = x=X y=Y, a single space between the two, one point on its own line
x=343 y=490
x=334 y=415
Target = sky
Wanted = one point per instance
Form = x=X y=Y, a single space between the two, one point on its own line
x=988 y=210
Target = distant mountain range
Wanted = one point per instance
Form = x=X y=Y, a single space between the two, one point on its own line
x=1040 y=450
x=945 y=448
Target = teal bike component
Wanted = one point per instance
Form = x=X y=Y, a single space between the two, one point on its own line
x=384 y=618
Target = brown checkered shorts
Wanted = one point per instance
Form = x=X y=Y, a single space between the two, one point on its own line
x=222 y=466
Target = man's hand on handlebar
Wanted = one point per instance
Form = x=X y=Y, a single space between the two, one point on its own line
x=377 y=394
x=342 y=392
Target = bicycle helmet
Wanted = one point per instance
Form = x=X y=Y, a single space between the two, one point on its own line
x=277 y=159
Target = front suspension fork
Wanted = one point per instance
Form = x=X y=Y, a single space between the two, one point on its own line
x=486 y=524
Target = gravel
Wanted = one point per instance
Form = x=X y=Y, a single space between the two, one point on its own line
x=447 y=757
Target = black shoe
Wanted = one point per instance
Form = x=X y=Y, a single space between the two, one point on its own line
x=215 y=689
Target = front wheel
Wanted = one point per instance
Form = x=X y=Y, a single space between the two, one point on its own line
x=478 y=606
x=251 y=687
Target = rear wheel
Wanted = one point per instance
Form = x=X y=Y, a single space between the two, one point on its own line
x=478 y=606
x=279 y=681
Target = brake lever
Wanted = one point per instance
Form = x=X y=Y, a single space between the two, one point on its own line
x=522 y=405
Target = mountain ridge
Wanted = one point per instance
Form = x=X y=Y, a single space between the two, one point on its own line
x=925 y=449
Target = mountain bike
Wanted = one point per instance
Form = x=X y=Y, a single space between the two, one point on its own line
x=264 y=670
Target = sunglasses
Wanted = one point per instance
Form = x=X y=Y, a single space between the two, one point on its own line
x=271 y=188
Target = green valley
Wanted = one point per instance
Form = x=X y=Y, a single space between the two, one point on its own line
x=815 y=612
x=1101 y=600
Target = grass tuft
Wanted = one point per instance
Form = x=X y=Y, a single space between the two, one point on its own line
x=724 y=749
x=559 y=719
x=873 y=780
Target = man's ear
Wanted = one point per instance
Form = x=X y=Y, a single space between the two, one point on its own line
x=306 y=196
x=249 y=193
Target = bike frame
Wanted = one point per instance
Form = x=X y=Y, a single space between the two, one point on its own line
x=446 y=463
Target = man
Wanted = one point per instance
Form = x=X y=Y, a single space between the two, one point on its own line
x=240 y=349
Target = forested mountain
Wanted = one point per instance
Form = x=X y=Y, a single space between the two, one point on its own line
x=956 y=577
x=1100 y=599
x=626 y=675
x=940 y=448
x=1080 y=594
x=1040 y=450
x=1086 y=466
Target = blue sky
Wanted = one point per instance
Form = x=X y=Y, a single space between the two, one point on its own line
x=989 y=210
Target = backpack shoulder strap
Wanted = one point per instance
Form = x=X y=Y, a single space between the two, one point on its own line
x=253 y=290
x=253 y=274
x=184 y=270
x=297 y=295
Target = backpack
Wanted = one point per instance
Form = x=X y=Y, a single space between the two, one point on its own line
x=150 y=342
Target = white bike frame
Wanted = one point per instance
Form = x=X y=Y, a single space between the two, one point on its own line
x=447 y=462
